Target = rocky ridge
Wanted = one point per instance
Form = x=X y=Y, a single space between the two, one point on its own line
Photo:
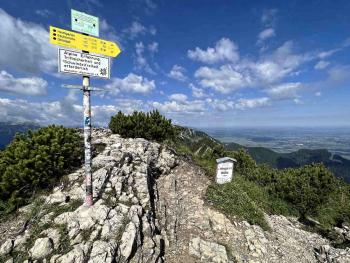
x=149 y=207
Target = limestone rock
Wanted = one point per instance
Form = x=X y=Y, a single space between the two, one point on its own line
x=6 y=248
x=102 y=252
x=42 y=248
x=207 y=251
x=128 y=239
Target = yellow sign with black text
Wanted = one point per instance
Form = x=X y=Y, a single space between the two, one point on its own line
x=70 y=39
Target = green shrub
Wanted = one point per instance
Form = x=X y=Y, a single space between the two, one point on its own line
x=36 y=160
x=233 y=200
x=150 y=126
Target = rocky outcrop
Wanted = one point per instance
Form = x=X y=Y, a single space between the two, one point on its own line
x=148 y=207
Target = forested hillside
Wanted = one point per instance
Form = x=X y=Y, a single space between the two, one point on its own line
x=9 y=130
x=336 y=163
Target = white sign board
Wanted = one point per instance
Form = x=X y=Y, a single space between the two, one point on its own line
x=84 y=23
x=224 y=172
x=73 y=62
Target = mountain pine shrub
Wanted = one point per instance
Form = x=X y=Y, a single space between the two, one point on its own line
x=151 y=126
x=36 y=160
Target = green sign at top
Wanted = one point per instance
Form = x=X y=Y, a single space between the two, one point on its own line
x=85 y=23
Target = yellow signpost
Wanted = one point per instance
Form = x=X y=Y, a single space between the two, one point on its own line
x=70 y=39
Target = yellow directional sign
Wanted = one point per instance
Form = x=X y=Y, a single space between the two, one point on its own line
x=70 y=39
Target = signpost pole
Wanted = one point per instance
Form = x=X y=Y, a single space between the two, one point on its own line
x=74 y=62
x=87 y=140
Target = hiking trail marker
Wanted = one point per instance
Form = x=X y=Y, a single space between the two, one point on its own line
x=70 y=39
x=224 y=169
x=85 y=64
x=73 y=62
x=84 y=23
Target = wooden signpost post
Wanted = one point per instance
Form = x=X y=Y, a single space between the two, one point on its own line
x=85 y=64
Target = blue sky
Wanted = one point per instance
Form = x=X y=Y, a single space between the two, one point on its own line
x=201 y=63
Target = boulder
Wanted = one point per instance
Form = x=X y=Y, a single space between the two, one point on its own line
x=128 y=240
x=207 y=251
x=6 y=248
x=42 y=248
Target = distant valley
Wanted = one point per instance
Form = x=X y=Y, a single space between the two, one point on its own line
x=200 y=142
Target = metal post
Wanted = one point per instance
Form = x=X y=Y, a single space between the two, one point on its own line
x=87 y=140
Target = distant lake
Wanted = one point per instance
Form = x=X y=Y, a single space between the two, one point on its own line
x=336 y=140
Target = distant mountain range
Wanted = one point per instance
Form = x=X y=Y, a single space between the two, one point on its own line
x=9 y=130
x=201 y=143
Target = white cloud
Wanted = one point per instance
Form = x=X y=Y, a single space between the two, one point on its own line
x=285 y=90
x=221 y=105
x=43 y=12
x=151 y=6
x=153 y=47
x=197 y=92
x=26 y=86
x=243 y=104
x=265 y=34
x=183 y=107
x=67 y=111
x=281 y=63
x=136 y=29
x=328 y=53
x=177 y=72
x=107 y=31
x=225 y=79
x=322 y=64
x=25 y=46
x=140 y=59
x=268 y=70
x=179 y=97
x=224 y=50
x=131 y=83
x=318 y=94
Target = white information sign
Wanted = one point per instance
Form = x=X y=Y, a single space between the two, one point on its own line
x=84 y=23
x=73 y=62
x=224 y=172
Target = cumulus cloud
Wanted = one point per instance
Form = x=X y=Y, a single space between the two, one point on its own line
x=266 y=71
x=179 y=97
x=33 y=86
x=281 y=63
x=197 y=92
x=183 y=107
x=24 y=46
x=67 y=111
x=224 y=50
x=177 y=72
x=244 y=104
x=221 y=105
x=265 y=34
x=225 y=79
x=131 y=83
